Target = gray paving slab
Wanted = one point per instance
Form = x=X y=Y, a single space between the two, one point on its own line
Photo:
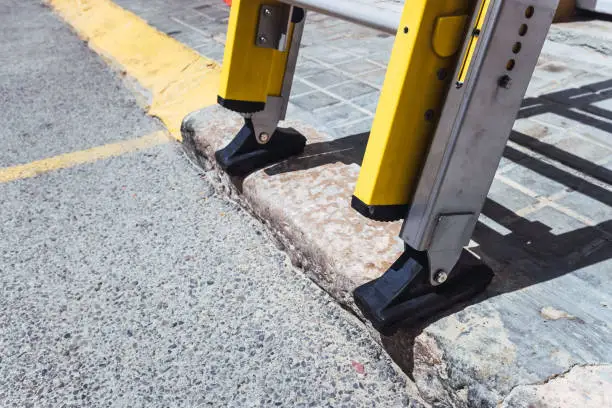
x=130 y=282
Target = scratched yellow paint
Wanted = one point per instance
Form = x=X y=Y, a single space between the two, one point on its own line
x=180 y=80
x=64 y=161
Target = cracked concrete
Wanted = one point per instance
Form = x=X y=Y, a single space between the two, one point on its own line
x=477 y=354
x=471 y=357
x=585 y=386
x=546 y=230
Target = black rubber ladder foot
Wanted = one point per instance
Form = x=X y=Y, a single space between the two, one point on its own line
x=244 y=155
x=404 y=297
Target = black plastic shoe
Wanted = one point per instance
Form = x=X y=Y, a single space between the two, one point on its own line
x=244 y=155
x=403 y=296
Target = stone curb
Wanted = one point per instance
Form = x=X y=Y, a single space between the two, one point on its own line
x=462 y=359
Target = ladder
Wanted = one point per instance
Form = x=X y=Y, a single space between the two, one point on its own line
x=456 y=78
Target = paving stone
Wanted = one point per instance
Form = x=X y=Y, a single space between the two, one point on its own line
x=380 y=57
x=357 y=128
x=337 y=115
x=558 y=71
x=534 y=129
x=200 y=21
x=215 y=12
x=509 y=197
x=358 y=66
x=327 y=78
x=535 y=182
x=352 y=89
x=577 y=146
x=299 y=87
x=539 y=85
x=554 y=235
x=600 y=131
x=190 y=38
x=307 y=67
x=314 y=100
x=368 y=101
x=327 y=54
x=598 y=208
x=556 y=120
x=165 y=25
x=556 y=222
x=375 y=78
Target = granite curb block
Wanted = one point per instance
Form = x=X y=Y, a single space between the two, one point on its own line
x=473 y=357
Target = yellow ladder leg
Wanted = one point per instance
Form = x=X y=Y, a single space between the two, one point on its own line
x=421 y=67
x=261 y=53
x=251 y=72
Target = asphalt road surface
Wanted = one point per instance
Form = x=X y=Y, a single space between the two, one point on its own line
x=125 y=279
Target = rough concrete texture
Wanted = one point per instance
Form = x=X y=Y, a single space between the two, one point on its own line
x=546 y=231
x=129 y=283
x=573 y=389
x=30 y=61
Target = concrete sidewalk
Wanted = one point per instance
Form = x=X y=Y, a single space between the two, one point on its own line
x=541 y=333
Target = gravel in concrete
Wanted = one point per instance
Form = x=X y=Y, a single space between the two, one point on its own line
x=129 y=282
x=53 y=94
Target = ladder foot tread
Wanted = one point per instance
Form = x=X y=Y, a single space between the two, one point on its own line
x=244 y=155
x=403 y=296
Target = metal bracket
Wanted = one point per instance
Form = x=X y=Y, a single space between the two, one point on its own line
x=450 y=235
x=473 y=130
x=266 y=121
x=273 y=28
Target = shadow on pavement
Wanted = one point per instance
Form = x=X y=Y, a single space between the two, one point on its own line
x=550 y=255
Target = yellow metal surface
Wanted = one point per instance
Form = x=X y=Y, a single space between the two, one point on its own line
x=179 y=80
x=445 y=40
x=73 y=159
x=250 y=73
x=410 y=102
x=467 y=59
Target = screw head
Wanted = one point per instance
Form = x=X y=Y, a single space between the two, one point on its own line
x=505 y=82
x=263 y=138
x=267 y=12
x=263 y=39
x=441 y=276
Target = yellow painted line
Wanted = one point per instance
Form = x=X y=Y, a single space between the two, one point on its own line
x=180 y=80
x=68 y=160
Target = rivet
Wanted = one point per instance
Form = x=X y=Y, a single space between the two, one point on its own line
x=264 y=137
x=441 y=276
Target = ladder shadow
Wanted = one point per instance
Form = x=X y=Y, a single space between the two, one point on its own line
x=548 y=255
